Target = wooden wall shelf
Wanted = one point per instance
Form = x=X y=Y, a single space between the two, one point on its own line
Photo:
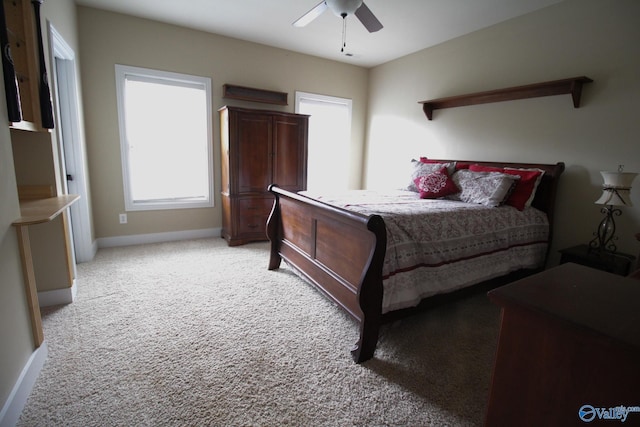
x=571 y=86
x=254 y=95
x=43 y=210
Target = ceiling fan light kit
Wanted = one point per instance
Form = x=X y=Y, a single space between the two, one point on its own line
x=343 y=8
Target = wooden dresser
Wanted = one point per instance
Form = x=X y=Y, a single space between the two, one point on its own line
x=258 y=148
x=568 y=351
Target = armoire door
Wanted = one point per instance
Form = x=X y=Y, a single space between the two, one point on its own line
x=254 y=152
x=290 y=153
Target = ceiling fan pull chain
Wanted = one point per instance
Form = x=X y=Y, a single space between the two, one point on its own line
x=344 y=32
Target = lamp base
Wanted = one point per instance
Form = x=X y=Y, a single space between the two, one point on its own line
x=605 y=234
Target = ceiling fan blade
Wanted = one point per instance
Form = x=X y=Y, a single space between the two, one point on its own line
x=311 y=15
x=368 y=19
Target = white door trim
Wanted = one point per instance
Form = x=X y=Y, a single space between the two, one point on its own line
x=72 y=145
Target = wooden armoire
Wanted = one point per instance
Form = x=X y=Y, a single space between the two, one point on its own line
x=259 y=148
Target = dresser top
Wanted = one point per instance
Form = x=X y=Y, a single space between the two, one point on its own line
x=586 y=297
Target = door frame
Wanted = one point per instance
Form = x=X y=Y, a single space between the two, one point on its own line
x=71 y=146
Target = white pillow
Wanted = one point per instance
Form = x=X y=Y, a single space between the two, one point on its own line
x=485 y=188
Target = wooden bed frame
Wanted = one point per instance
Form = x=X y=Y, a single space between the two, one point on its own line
x=342 y=252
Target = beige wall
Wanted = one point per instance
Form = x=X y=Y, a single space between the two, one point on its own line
x=150 y=44
x=576 y=37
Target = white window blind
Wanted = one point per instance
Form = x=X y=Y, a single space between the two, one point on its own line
x=329 y=140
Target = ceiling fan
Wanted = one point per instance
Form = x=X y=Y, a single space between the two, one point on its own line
x=342 y=8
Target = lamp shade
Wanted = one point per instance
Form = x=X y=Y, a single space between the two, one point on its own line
x=616 y=188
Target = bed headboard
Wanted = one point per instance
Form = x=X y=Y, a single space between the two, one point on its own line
x=545 y=198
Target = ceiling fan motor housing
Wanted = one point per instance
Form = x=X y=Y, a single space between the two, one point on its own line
x=343 y=8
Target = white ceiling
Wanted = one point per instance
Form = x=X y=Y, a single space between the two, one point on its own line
x=409 y=25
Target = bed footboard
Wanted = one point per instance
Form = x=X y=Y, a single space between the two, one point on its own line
x=339 y=252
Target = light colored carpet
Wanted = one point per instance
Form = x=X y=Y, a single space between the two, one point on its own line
x=195 y=333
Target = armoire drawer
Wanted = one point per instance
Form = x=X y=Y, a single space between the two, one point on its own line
x=253 y=214
x=255 y=206
x=248 y=224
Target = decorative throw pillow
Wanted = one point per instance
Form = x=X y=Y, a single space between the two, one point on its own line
x=436 y=184
x=485 y=188
x=525 y=189
x=419 y=168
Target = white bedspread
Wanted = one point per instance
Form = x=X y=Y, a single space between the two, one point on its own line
x=437 y=246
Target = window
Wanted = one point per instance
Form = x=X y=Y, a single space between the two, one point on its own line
x=165 y=139
x=329 y=140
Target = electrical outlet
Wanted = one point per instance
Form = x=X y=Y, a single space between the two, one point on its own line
x=123 y=218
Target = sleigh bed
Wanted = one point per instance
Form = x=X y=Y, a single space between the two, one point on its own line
x=350 y=250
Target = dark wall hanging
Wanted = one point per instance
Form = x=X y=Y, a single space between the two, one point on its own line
x=46 y=109
x=10 y=80
x=23 y=59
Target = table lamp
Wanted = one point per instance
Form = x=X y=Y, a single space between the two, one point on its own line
x=616 y=191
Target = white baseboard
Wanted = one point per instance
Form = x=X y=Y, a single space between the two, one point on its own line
x=58 y=296
x=88 y=254
x=94 y=249
x=140 y=239
x=14 y=405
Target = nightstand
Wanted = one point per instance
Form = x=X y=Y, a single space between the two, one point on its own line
x=566 y=342
x=617 y=263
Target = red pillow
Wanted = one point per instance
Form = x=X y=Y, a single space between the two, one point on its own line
x=525 y=190
x=436 y=184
